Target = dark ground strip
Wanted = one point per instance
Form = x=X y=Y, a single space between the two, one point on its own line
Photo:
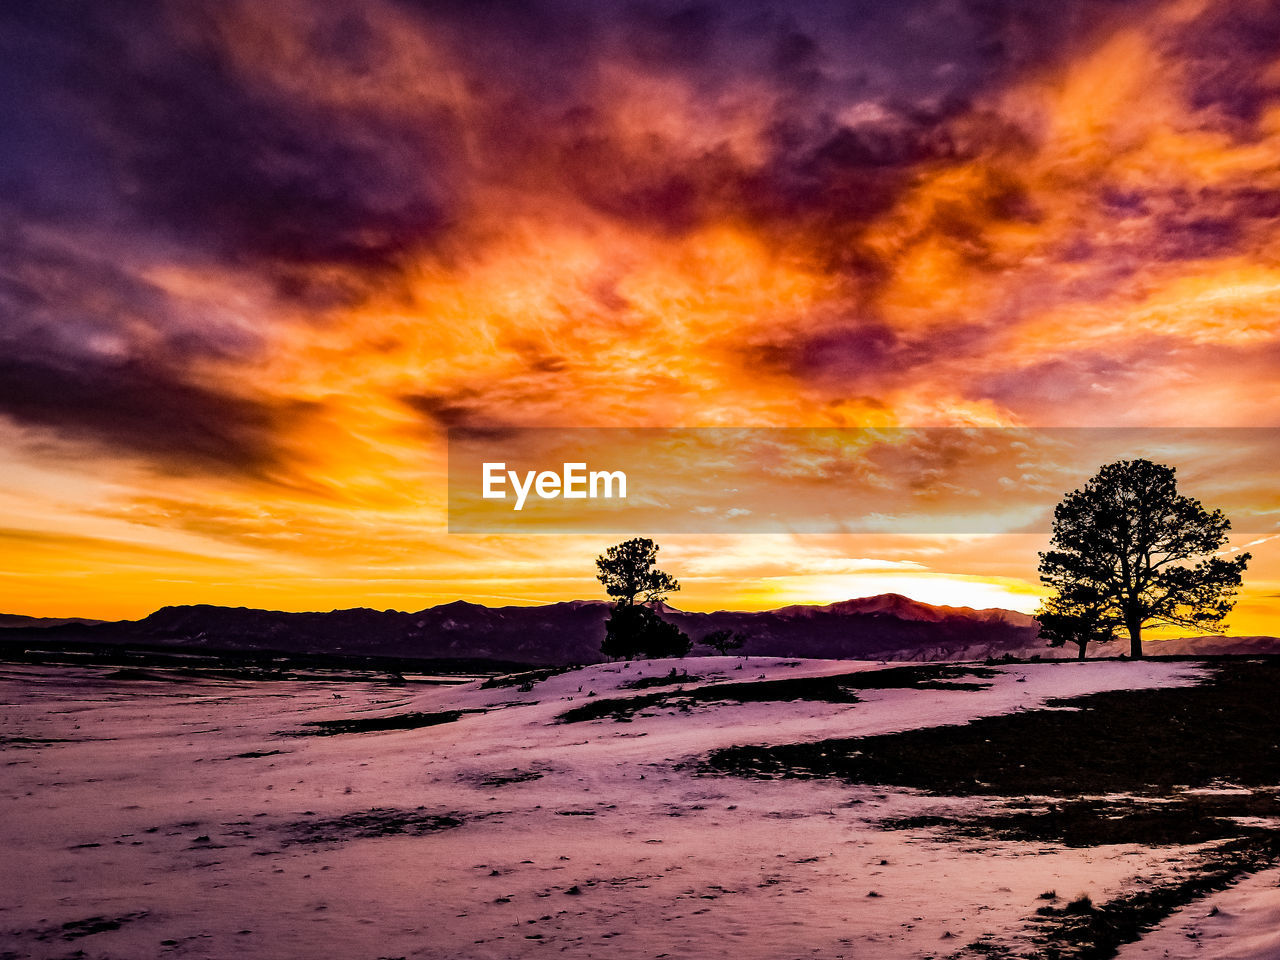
x=399 y=721
x=1187 y=818
x=75 y=929
x=526 y=679
x=1083 y=931
x=375 y=822
x=6 y=741
x=1123 y=741
x=661 y=680
x=208 y=663
x=496 y=780
x=832 y=689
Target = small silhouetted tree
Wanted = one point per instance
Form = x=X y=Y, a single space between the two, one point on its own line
x=1129 y=551
x=723 y=641
x=634 y=629
x=1079 y=618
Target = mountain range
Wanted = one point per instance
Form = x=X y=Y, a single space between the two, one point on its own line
x=884 y=627
x=18 y=620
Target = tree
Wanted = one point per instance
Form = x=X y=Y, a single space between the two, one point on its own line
x=628 y=573
x=1079 y=618
x=722 y=641
x=1129 y=551
x=637 y=631
x=634 y=629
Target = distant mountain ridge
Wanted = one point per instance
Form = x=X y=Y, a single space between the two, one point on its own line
x=18 y=620
x=905 y=608
x=884 y=627
x=1212 y=645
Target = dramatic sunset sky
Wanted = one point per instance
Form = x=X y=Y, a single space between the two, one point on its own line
x=258 y=257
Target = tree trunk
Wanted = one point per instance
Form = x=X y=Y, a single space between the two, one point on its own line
x=1135 y=639
x=1080 y=655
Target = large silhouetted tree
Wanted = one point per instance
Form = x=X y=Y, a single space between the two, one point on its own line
x=1129 y=551
x=631 y=578
x=629 y=575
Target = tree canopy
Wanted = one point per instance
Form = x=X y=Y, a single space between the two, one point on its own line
x=629 y=575
x=637 y=631
x=1129 y=551
x=723 y=641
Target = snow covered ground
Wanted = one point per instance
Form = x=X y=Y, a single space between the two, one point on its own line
x=176 y=817
x=1241 y=923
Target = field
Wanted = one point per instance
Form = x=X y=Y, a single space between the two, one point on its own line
x=715 y=807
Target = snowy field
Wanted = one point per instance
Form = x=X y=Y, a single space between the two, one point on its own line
x=173 y=816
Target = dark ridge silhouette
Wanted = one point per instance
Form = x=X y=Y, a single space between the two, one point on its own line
x=887 y=627
x=17 y=620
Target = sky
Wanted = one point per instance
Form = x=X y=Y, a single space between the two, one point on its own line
x=256 y=260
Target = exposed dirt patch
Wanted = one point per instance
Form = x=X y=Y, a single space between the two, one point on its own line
x=1125 y=741
x=834 y=689
x=33 y=741
x=945 y=676
x=1081 y=930
x=399 y=721
x=501 y=778
x=75 y=929
x=526 y=679
x=375 y=822
x=662 y=680
x=1189 y=818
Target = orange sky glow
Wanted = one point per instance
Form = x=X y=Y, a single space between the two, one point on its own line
x=264 y=256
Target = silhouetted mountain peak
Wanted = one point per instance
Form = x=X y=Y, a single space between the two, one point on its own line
x=889 y=626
